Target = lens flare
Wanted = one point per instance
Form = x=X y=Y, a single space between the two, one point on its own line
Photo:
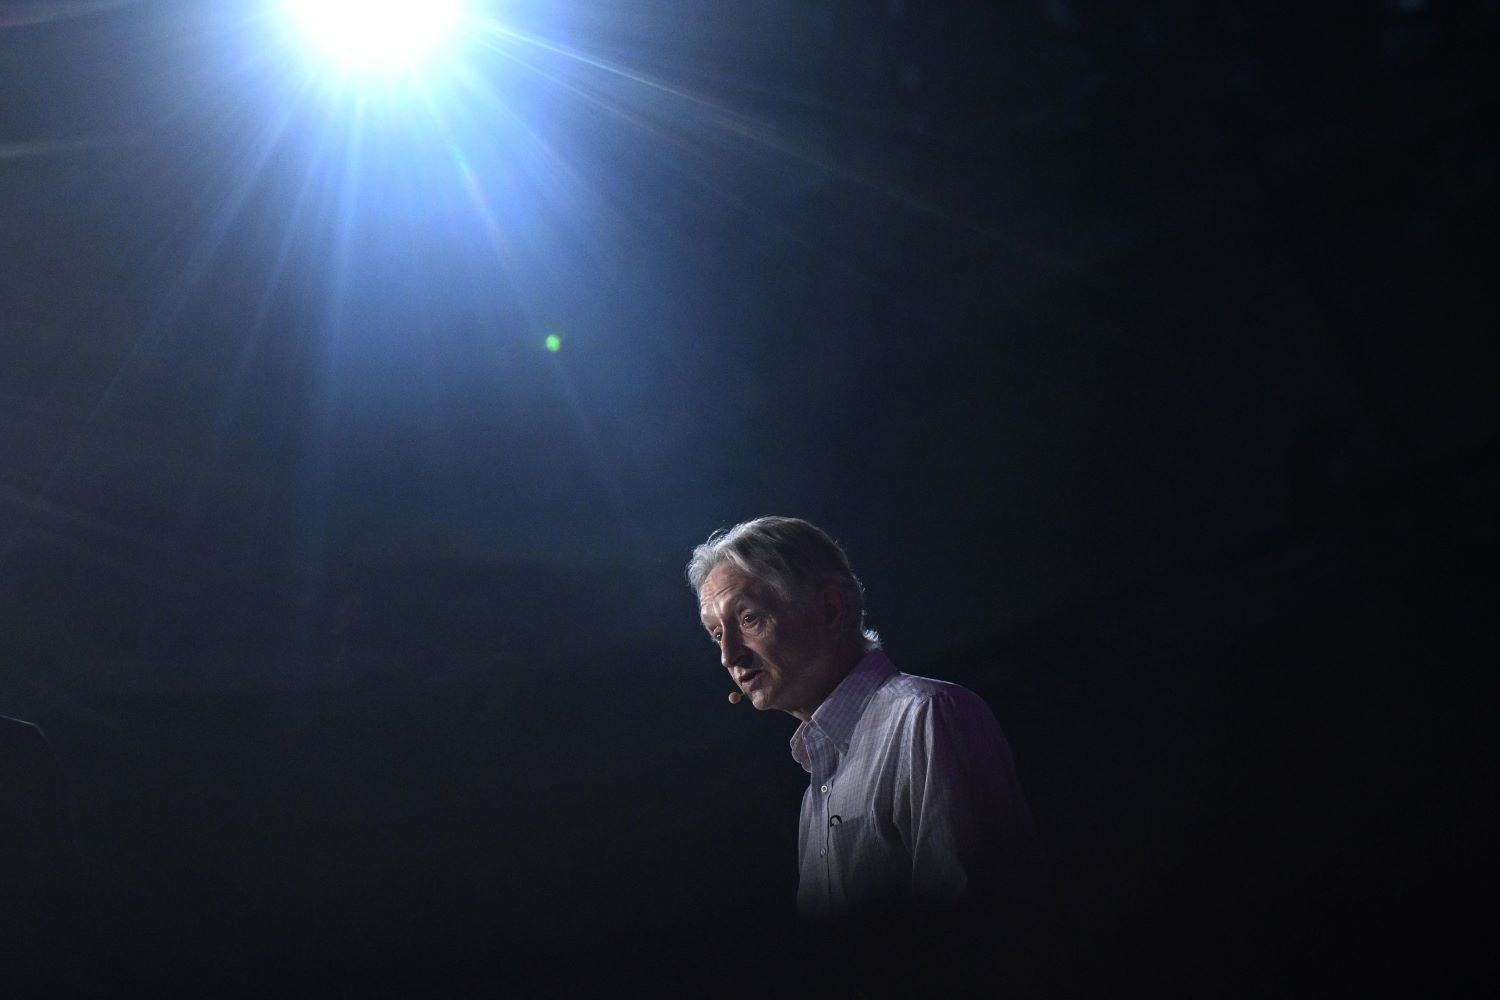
x=378 y=36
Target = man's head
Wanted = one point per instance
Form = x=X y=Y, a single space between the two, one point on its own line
x=778 y=598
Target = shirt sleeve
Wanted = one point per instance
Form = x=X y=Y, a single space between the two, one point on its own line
x=971 y=830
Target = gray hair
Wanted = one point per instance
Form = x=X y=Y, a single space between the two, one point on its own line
x=790 y=555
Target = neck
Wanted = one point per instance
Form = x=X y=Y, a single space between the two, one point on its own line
x=844 y=658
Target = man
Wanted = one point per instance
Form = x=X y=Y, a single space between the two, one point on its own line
x=913 y=808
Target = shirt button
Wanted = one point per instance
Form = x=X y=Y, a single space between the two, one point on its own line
x=835 y=820
x=822 y=852
x=825 y=789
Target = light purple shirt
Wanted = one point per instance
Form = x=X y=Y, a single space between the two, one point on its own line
x=913 y=801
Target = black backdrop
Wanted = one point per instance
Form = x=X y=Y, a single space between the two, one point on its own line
x=1140 y=354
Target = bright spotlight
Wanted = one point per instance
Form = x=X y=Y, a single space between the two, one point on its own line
x=379 y=36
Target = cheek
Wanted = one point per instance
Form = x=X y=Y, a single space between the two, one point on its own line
x=772 y=657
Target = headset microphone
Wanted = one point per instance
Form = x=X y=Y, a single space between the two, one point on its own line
x=735 y=696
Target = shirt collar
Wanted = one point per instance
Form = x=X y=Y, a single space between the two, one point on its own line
x=834 y=720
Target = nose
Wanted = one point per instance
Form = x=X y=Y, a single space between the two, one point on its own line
x=732 y=652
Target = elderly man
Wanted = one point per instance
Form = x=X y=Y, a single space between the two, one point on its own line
x=913 y=806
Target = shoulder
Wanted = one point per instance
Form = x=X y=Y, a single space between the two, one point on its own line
x=911 y=689
x=917 y=698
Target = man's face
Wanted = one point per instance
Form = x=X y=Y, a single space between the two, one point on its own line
x=776 y=651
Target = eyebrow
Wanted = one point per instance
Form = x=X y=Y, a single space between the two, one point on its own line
x=741 y=601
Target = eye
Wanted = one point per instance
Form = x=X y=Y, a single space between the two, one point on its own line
x=750 y=619
x=713 y=637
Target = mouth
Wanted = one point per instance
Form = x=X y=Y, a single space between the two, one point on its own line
x=746 y=680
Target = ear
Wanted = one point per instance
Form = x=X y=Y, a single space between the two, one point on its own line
x=832 y=610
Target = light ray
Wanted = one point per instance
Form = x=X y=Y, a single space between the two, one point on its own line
x=20 y=15
x=761 y=133
x=57 y=147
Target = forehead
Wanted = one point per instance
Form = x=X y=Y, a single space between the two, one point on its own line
x=727 y=585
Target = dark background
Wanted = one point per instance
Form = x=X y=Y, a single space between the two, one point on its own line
x=1141 y=354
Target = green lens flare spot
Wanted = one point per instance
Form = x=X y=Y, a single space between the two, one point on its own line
x=554 y=343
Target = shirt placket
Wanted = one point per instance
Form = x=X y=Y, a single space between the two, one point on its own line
x=825 y=759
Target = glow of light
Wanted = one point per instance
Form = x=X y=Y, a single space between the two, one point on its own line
x=554 y=343
x=379 y=36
